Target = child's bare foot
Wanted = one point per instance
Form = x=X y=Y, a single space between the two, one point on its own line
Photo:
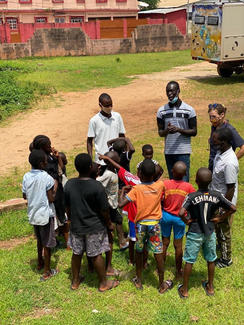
x=209 y=291
x=110 y=284
x=75 y=285
x=182 y=293
x=137 y=283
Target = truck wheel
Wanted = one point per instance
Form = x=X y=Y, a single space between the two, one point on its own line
x=224 y=72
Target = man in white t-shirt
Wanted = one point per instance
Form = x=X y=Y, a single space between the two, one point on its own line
x=225 y=180
x=104 y=126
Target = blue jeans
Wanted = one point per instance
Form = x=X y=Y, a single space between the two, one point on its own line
x=172 y=159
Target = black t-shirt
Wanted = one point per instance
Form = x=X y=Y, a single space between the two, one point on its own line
x=86 y=199
x=236 y=142
x=202 y=206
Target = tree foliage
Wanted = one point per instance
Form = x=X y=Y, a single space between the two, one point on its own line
x=152 y=4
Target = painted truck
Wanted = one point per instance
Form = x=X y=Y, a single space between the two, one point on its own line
x=218 y=36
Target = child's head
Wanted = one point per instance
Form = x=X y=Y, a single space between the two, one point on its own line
x=42 y=142
x=147 y=151
x=105 y=102
x=158 y=172
x=203 y=177
x=179 y=170
x=119 y=146
x=147 y=171
x=114 y=156
x=63 y=157
x=83 y=164
x=31 y=146
x=38 y=159
x=94 y=172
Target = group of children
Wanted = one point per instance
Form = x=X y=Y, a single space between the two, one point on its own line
x=91 y=205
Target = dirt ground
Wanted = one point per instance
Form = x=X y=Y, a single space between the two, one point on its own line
x=66 y=119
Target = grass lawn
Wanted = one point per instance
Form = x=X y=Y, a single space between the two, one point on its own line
x=25 y=300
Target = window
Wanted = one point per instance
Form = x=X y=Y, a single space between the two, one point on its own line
x=76 y=19
x=25 y=1
x=59 y=20
x=199 y=20
x=13 y=23
x=101 y=1
x=213 y=20
x=80 y=1
x=40 y=20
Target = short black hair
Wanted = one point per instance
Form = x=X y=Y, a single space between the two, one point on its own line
x=175 y=83
x=105 y=100
x=36 y=157
x=40 y=141
x=119 y=145
x=83 y=163
x=224 y=135
x=147 y=168
x=147 y=147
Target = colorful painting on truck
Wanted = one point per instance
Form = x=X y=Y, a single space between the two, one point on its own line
x=206 y=32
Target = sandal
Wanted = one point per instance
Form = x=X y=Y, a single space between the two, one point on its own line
x=137 y=284
x=114 y=284
x=169 y=284
x=180 y=293
x=204 y=285
x=49 y=275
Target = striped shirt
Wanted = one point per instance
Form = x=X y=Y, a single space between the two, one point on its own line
x=176 y=143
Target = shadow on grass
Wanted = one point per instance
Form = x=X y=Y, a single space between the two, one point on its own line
x=54 y=263
x=218 y=81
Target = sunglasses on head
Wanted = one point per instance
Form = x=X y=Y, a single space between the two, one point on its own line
x=213 y=106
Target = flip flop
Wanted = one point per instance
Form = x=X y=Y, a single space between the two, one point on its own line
x=114 y=273
x=123 y=248
x=179 y=292
x=114 y=284
x=82 y=278
x=169 y=286
x=52 y=273
x=135 y=282
x=204 y=285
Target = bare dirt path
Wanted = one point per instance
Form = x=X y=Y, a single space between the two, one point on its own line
x=66 y=119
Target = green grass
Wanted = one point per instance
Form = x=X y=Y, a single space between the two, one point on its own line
x=83 y=73
x=25 y=300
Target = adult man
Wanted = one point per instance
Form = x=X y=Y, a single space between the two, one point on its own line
x=177 y=122
x=225 y=178
x=104 y=126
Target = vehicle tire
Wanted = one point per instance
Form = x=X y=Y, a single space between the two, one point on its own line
x=239 y=70
x=224 y=71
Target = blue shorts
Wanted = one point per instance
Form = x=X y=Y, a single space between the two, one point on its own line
x=132 y=231
x=194 y=242
x=170 y=221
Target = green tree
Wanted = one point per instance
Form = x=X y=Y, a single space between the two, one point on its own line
x=152 y=4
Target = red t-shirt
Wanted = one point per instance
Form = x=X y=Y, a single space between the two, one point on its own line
x=129 y=179
x=175 y=193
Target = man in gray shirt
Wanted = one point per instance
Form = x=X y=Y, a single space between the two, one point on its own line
x=177 y=123
x=225 y=180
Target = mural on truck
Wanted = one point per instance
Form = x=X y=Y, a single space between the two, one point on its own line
x=206 y=32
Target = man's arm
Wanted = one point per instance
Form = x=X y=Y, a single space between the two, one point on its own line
x=89 y=145
x=191 y=132
x=226 y=214
x=182 y=215
x=162 y=132
x=230 y=191
x=240 y=153
x=106 y=216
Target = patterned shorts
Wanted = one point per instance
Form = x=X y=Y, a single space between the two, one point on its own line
x=149 y=235
x=92 y=244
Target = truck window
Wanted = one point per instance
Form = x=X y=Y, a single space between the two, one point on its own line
x=199 y=20
x=213 y=20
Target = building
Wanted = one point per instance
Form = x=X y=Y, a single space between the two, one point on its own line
x=14 y=12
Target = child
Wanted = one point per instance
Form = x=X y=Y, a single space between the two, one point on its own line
x=147 y=153
x=54 y=164
x=147 y=197
x=88 y=210
x=109 y=179
x=39 y=190
x=175 y=192
x=202 y=207
x=125 y=150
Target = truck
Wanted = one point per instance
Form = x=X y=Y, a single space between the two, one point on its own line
x=218 y=35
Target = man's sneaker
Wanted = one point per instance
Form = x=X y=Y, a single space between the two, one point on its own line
x=221 y=263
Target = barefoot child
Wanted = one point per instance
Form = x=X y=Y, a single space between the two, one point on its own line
x=147 y=197
x=202 y=207
x=175 y=192
x=88 y=210
x=39 y=190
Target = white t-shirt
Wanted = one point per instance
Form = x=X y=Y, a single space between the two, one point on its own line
x=110 y=181
x=225 y=171
x=103 y=129
x=35 y=185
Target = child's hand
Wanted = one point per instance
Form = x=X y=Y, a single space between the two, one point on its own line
x=188 y=221
x=54 y=152
x=216 y=219
x=102 y=157
x=126 y=189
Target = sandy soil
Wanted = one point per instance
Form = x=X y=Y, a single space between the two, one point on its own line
x=66 y=119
